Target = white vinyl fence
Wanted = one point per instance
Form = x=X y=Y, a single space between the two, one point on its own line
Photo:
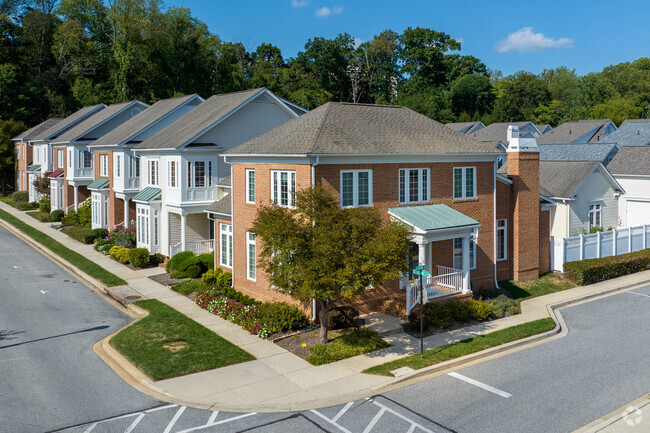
x=602 y=244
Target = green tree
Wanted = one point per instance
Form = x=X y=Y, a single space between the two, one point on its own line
x=320 y=251
x=617 y=110
x=8 y=129
x=472 y=94
x=520 y=95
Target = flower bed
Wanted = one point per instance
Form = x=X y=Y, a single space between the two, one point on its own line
x=234 y=311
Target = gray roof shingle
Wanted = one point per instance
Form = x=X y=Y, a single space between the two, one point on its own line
x=137 y=124
x=345 y=128
x=68 y=123
x=184 y=129
x=563 y=178
x=36 y=130
x=226 y=181
x=631 y=133
x=221 y=206
x=465 y=127
x=544 y=127
x=496 y=132
x=633 y=160
x=576 y=151
x=572 y=131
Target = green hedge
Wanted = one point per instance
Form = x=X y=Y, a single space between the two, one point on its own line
x=20 y=196
x=82 y=234
x=591 y=271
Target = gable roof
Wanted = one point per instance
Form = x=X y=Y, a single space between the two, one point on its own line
x=465 y=127
x=576 y=151
x=631 y=133
x=631 y=160
x=185 y=129
x=563 y=179
x=543 y=128
x=628 y=121
x=36 y=130
x=499 y=131
x=571 y=131
x=96 y=120
x=354 y=129
x=142 y=121
x=221 y=206
x=68 y=123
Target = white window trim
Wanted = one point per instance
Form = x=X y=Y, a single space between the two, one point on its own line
x=153 y=176
x=250 y=171
x=118 y=165
x=464 y=195
x=103 y=165
x=69 y=158
x=172 y=174
x=229 y=238
x=355 y=188
x=59 y=158
x=598 y=209
x=248 y=257
x=504 y=229
x=407 y=185
x=277 y=186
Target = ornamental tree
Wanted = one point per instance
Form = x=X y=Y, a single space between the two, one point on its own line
x=320 y=251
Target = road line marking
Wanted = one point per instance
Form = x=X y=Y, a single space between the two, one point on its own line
x=169 y=406
x=640 y=294
x=374 y=420
x=90 y=428
x=399 y=415
x=173 y=421
x=342 y=411
x=340 y=427
x=480 y=385
x=213 y=416
x=134 y=423
x=224 y=421
x=12 y=359
x=411 y=429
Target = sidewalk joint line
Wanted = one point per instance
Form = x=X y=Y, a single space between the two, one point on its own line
x=480 y=384
x=639 y=294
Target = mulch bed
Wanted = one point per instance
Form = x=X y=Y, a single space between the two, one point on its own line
x=294 y=343
x=166 y=280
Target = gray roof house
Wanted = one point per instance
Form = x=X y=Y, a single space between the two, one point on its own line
x=582 y=131
x=498 y=132
x=544 y=127
x=465 y=127
x=602 y=152
x=631 y=168
x=632 y=132
x=35 y=131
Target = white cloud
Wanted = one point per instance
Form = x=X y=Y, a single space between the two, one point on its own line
x=357 y=42
x=526 y=41
x=337 y=10
x=299 y=3
x=324 y=12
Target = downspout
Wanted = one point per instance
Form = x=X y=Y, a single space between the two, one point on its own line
x=313 y=184
x=232 y=221
x=494 y=227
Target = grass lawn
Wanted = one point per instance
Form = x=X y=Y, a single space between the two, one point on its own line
x=465 y=347
x=41 y=216
x=81 y=262
x=24 y=206
x=189 y=286
x=353 y=343
x=167 y=344
x=547 y=283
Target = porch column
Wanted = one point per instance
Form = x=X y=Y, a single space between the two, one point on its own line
x=126 y=213
x=183 y=231
x=422 y=251
x=466 y=288
x=76 y=198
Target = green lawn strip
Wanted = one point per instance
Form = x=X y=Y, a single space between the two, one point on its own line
x=548 y=283
x=465 y=347
x=81 y=262
x=167 y=344
x=41 y=216
x=356 y=342
x=189 y=286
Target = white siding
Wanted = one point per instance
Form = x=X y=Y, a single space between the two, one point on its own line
x=596 y=190
x=559 y=221
x=636 y=189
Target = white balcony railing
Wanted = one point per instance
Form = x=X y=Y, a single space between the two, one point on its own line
x=197 y=247
x=448 y=283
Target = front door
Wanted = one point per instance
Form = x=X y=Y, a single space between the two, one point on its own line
x=413 y=259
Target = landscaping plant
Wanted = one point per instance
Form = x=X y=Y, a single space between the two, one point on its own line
x=57 y=215
x=20 y=196
x=119 y=253
x=139 y=257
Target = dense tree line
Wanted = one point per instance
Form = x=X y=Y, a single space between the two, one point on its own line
x=59 y=55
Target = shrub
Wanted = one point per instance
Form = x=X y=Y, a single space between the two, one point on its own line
x=414 y=320
x=479 y=309
x=189 y=286
x=156 y=259
x=280 y=316
x=342 y=317
x=44 y=204
x=168 y=266
x=459 y=311
x=85 y=215
x=591 y=271
x=20 y=196
x=100 y=233
x=193 y=271
x=211 y=277
x=181 y=261
x=82 y=234
x=238 y=296
x=178 y=275
x=71 y=219
x=207 y=261
x=121 y=236
x=57 y=215
x=224 y=281
x=501 y=305
x=121 y=254
x=139 y=257
x=25 y=206
x=239 y=313
x=102 y=242
x=438 y=315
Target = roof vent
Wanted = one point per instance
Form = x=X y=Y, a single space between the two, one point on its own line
x=135 y=111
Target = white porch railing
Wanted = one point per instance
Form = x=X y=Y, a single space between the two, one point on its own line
x=197 y=247
x=449 y=281
x=67 y=209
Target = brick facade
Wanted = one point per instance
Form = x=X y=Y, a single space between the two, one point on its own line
x=23 y=163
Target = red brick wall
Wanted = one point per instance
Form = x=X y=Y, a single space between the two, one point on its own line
x=22 y=163
x=544 y=241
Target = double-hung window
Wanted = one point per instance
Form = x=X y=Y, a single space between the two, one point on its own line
x=502 y=239
x=199 y=174
x=171 y=175
x=18 y=152
x=59 y=158
x=152 y=172
x=86 y=159
x=595 y=215
x=250 y=185
x=413 y=185
x=464 y=182
x=251 y=262
x=356 y=188
x=283 y=187
x=226 y=244
x=134 y=170
x=103 y=165
x=143 y=225
x=458 y=254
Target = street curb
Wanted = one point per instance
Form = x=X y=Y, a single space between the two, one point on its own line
x=612 y=417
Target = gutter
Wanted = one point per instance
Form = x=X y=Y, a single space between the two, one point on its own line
x=494 y=228
x=313 y=184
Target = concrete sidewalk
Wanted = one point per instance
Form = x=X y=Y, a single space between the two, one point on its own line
x=634 y=417
x=281 y=381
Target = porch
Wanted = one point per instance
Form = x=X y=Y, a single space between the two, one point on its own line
x=190 y=232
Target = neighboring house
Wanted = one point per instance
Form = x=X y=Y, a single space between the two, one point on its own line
x=116 y=179
x=441 y=183
x=24 y=151
x=602 y=152
x=182 y=165
x=544 y=128
x=631 y=168
x=72 y=168
x=632 y=132
x=465 y=127
x=498 y=132
x=41 y=143
x=586 y=194
x=582 y=131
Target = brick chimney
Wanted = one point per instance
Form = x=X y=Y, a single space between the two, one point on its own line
x=523 y=169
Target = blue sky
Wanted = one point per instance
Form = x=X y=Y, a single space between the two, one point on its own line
x=506 y=35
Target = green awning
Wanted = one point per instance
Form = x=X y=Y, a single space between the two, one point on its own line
x=99 y=183
x=432 y=217
x=34 y=168
x=148 y=194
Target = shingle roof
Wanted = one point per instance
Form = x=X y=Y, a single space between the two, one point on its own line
x=628 y=121
x=345 y=128
x=135 y=125
x=93 y=121
x=571 y=131
x=575 y=151
x=431 y=217
x=631 y=160
x=68 y=122
x=221 y=206
x=631 y=133
x=543 y=127
x=465 y=127
x=35 y=130
x=563 y=178
x=496 y=131
x=184 y=129
x=225 y=181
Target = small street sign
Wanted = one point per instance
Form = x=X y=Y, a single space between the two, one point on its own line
x=420 y=268
x=425 y=274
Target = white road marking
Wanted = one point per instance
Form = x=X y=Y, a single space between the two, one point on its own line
x=213 y=417
x=374 y=420
x=16 y=267
x=342 y=411
x=340 y=427
x=399 y=415
x=223 y=421
x=173 y=421
x=480 y=385
x=411 y=429
x=90 y=428
x=161 y=408
x=12 y=359
x=134 y=423
x=640 y=294
x=45 y=291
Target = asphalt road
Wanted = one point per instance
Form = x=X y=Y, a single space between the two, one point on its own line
x=51 y=379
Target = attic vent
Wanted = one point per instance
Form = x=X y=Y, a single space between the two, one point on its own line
x=135 y=111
